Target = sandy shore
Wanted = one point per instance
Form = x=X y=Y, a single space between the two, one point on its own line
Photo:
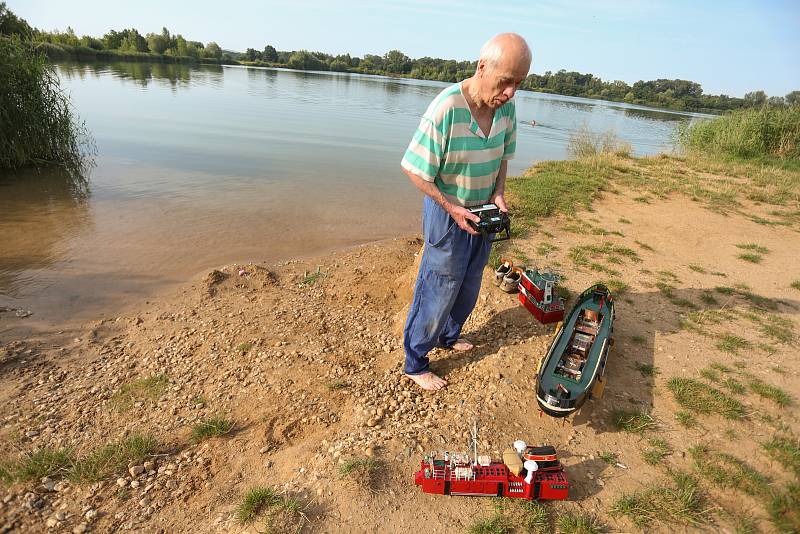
x=304 y=358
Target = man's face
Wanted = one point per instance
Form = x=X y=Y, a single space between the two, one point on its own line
x=501 y=82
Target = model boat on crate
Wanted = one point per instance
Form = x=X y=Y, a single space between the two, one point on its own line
x=537 y=293
x=526 y=473
x=573 y=369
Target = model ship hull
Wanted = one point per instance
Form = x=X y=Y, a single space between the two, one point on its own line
x=575 y=362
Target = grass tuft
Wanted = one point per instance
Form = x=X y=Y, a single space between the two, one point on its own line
x=732 y=343
x=113 y=458
x=244 y=347
x=608 y=457
x=680 y=502
x=632 y=421
x=697 y=397
x=768 y=391
x=758 y=249
x=784 y=509
x=795 y=285
x=37 y=464
x=579 y=523
x=786 y=451
x=211 y=427
x=750 y=257
x=254 y=502
x=727 y=471
x=658 y=450
x=497 y=523
x=647 y=369
x=685 y=419
x=143 y=389
x=362 y=470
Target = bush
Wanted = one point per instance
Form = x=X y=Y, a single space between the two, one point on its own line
x=749 y=133
x=37 y=125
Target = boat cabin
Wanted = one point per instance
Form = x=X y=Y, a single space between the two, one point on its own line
x=575 y=357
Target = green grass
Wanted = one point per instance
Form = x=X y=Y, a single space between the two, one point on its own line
x=685 y=419
x=784 y=509
x=632 y=421
x=725 y=290
x=140 y=390
x=244 y=347
x=733 y=385
x=254 y=502
x=644 y=246
x=639 y=340
x=698 y=397
x=579 y=523
x=750 y=257
x=535 y=518
x=362 y=470
x=113 y=458
x=768 y=391
x=759 y=132
x=680 y=502
x=95 y=466
x=543 y=249
x=585 y=144
x=732 y=343
x=37 y=464
x=795 y=285
x=727 y=471
x=497 y=523
x=758 y=249
x=647 y=369
x=616 y=286
x=778 y=328
x=712 y=375
x=786 y=451
x=582 y=255
x=697 y=268
x=337 y=385
x=210 y=427
x=708 y=298
x=658 y=450
x=608 y=457
x=623 y=220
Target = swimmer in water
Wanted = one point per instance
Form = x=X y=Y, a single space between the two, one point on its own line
x=533 y=122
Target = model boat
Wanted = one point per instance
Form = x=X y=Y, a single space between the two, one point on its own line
x=573 y=369
x=537 y=293
x=525 y=473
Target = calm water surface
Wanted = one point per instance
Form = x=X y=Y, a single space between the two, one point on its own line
x=201 y=166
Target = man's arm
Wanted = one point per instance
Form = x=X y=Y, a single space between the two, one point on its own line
x=458 y=213
x=500 y=187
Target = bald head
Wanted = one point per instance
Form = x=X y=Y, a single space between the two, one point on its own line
x=502 y=67
x=506 y=48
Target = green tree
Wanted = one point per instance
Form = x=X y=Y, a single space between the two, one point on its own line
x=181 y=47
x=158 y=43
x=270 y=54
x=755 y=98
x=213 y=50
x=10 y=24
x=792 y=98
x=397 y=62
x=252 y=54
x=305 y=60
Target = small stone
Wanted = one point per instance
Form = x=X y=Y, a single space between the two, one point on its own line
x=134 y=484
x=121 y=482
x=264 y=449
x=80 y=529
x=145 y=501
x=136 y=470
x=61 y=516
x=369 y=451
x=149 y=466
x=51 y=522
x=371 y=422
x=90 y=514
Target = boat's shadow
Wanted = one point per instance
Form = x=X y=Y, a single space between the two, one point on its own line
x=646 y=325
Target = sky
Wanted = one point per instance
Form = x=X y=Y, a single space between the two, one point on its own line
x=730 y=47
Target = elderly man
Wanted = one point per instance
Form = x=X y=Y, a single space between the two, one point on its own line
x=458 y=158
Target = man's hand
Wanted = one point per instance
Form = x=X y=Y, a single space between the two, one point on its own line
x=461 y=215
x=498 y=200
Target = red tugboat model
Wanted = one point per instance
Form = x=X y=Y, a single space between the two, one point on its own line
x=538 y=295
x=535 y=473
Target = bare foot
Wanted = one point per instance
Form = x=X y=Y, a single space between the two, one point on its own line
x=428 y=381
x=462 y=345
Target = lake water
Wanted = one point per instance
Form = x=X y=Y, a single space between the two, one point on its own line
x=199 y=166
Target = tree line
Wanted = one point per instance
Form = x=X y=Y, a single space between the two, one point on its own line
x=673 y=94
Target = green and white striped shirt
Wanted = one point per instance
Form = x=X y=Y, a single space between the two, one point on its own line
x=450 y=149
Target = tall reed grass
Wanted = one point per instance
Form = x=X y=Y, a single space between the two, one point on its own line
x=585 y=143
x=37 y=125
x=769 y=131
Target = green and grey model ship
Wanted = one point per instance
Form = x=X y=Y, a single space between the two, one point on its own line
x=573 y=369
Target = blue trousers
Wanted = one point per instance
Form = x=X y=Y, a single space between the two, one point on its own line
x=447 y=286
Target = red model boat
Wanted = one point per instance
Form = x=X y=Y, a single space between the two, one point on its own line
x=541 y=478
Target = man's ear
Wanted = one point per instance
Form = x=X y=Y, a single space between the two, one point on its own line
x=481 y=66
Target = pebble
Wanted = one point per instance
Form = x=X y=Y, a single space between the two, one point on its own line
x=80 y=529
x=136 y=470
x=121 y=482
